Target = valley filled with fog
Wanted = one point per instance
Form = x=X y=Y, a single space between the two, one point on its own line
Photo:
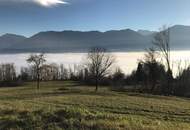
x=127 y=61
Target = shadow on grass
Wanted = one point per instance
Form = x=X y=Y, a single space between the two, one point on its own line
x=59 y=119
x=68 y=118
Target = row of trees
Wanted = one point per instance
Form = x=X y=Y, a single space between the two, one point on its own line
x=7 y=72
x=97 y=66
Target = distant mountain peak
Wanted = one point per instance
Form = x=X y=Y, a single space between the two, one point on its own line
x=9 y=35
x=178 y=25
x=9 y=40
x=145 y=32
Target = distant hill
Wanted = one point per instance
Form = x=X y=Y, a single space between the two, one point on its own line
x=77 y=41
x=180 y=37
x=9 y=40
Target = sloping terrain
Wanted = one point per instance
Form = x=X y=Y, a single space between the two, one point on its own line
x=68 y=105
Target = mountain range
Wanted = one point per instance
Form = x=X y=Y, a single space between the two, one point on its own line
x=78 y=41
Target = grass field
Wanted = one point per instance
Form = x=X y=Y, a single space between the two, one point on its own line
x=70 y=106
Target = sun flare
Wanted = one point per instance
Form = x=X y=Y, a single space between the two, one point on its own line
x=49 y=3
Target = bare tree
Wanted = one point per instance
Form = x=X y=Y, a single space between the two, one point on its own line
x=50 y=72
x=37 y=60
x=7 y=72
x=63 y=72
x=99 y=63
x=162 y=42
x=150 y=55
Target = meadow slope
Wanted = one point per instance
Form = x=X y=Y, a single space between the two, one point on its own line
x=71 y=106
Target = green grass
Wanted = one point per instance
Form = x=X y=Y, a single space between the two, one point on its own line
x=70 y=106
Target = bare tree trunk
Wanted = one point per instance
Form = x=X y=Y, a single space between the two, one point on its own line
x=38 y=80
x=169 y=80
x=96 y=85
x=38 y=84
x=153 y=87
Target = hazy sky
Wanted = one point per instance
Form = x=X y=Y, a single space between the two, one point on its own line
x=27 y=17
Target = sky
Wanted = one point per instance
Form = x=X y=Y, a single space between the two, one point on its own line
x=27 y=17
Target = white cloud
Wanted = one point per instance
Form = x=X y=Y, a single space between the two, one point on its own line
x=44 y=3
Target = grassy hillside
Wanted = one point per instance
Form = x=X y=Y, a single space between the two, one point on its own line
x=67 y=105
